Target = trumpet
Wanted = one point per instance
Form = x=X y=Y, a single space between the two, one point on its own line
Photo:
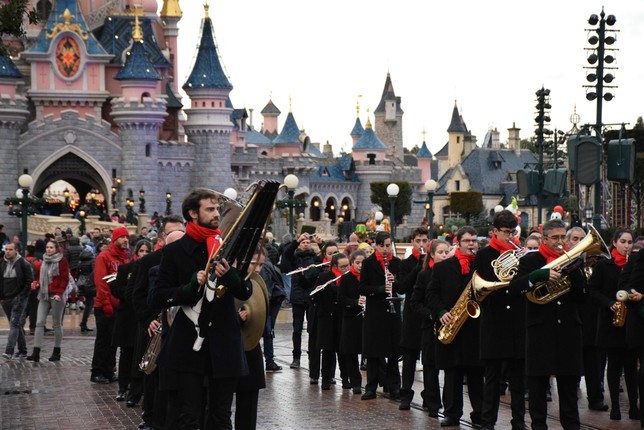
x=110 y=278
x=619 y=317
x=323 y=286
x=304 y=269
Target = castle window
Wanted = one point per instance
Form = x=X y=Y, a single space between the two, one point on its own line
x=325 y=172
x=458 y=139
x=147 y=150
x=212 y=104
x=457 y=185
x=144 y=95
x=372 y=158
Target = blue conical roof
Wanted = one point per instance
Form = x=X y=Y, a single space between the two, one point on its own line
x=290 y=133
x=8 y=69
x=358 y=130
x=207 y=71
x=456 y=125
x=423 y=152
x=369 y=140
x=137 y=66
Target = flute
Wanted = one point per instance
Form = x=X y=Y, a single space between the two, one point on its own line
x=110 y=278
x=321 y=287
x=304 y=269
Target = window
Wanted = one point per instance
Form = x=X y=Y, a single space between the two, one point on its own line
x=372 y=158
x=147 y=150
x=457 y=185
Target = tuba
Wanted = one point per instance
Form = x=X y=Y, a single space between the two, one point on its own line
x=465 y=307
x=592 y=247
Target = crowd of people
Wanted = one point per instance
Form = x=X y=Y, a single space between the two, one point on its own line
x=365 y=308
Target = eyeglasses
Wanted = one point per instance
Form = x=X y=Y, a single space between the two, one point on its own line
x=344 y=266
x=468 y=240
x=557 y=238
x=506 y=231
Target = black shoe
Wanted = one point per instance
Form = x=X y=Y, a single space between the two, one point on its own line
x=55 y=356
x=271 y=366
x=477 y=421
x=99 y=379
x=313 y=381
x=326 y=385
x=346 y=385
x=449 y=422
x=143 y=425
x=394 y=394
x=404 y=405
x=84 y=329
x=35 y=356
x=120 y=396
x=615 y=414
x=433 y=414
x=487 y=427
x=368 y=395
x=131 y=403
x=295 y=364
x=597 y=406
x=112 y=378
x=357 y=390
x=521 y=426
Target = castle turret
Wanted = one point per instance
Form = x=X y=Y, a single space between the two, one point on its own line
x=424 y=157
x=13 y=115
x=358 y=129
x=139 y=113
x=388 y=121
x=369 y=148
x=456 y=143
x=171 y=15
x=208 y=123
x=288 y=141
x=270 y=113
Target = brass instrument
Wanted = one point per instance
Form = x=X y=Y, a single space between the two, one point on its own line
x=482 y=288
x=507 y=264
x=149 y=360
x=592 y=246
x=304 y=269
x=465 y=307
x=619 y=317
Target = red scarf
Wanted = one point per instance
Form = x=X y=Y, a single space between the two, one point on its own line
x=416 y=253
x=619 y=259
x=500 y=245
x=549 y=253
x=381 y=259
x=202 y=234
x=121 y=254
x=355 y=273
x=465 y=260
x=431 y=263
x=337 y=272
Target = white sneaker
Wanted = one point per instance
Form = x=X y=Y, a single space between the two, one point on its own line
x=72 y=306
x=7 y=356
x=81 y=306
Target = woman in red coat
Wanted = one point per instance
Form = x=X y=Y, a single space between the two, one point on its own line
x=54 y=277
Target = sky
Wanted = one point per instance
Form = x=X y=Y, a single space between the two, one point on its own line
x=488 y=57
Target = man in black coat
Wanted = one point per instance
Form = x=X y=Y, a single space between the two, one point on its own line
x=381 y=326
x=553 y=330
x=183 y=362
x=502 y=326
x=410 y=340
x=460 y=357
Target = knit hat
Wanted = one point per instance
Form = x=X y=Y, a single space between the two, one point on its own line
x=119 y=232
x=84 y=240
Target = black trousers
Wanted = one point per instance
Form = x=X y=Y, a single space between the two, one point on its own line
x=154 y=401
x=622 y=359
x=126 y=354
x=453 y=391
x=409 y=358
x=246 y=410
x=352 y=364
x=104 y=358
x=383 y=371
x=299 y=312
x=568 y=411
x=184 y=404
x=493 y=377
x=593 y=374
x=431 y=387
x=220 y=401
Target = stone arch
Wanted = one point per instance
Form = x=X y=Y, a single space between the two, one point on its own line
x=330 y=204
x=346 y=199
x=74 y=165
x=315 y=207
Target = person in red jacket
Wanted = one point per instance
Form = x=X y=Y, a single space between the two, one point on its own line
x=107 y=263
x=54 y=277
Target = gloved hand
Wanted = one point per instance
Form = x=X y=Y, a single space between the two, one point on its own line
x=108 y=310
x=189 y=293
x=539 y=275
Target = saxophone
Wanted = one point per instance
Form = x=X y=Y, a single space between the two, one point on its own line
x=465 y=307
x=619 y=317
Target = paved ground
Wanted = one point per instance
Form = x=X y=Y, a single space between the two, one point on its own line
x=59 y=395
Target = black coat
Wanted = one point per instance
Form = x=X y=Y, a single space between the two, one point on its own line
x=502 y=314
x=553 y=330
x=302 y=283
x=419 y=304
x=445 y=288
x=351 y=330
x=223 y=349
x=381 y=328
x=328 y=313
x=410 y=337
x=602 y=288
x=632 y=277
x=124 y=334
x=256 y=378
x=144 y=312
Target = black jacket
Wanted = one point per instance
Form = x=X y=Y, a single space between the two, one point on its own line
x=24 y=276
x=411 y=321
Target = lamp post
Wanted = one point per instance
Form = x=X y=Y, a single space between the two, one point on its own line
x=25 y=181
x=168 y=203
x=430 y=187
x=378 y=216
x=81 y=217
x=130 y=211
x=392 y=192
x=66 y=195
x=231 y=193
x=291 y=182
x=142 y=201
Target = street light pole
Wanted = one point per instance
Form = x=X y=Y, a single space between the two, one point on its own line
x=430 y=187
x=392 y=191
x=25 y=181
x=291 y=182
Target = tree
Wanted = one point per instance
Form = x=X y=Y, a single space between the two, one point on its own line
x=402 y=206
x=12 y=15
x=466 y=203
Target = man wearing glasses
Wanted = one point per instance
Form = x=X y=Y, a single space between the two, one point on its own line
x=553 y=330
x=502 y=328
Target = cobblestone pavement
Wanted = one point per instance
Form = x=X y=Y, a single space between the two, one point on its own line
x=52 y=396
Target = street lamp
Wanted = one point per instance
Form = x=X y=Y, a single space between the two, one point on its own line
x=168 y=203
x=231 y=193
x=430 y=187
x=291 y=182
x=25 y=181
x=66 y=195
x=142 y=201
x=392 y=192
x=81 y=218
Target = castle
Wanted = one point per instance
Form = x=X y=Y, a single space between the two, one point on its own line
x=91 y=97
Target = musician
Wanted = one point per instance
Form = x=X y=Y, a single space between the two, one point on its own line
x=410 y=341
x=352 y=304
x=632 y=279
x=611 y=339
x=221 y=359
x=459 y=358
x=594 y=357
x=431 y=394
x=502 y=327
x=381 y=325
x=553 y=330
x=329 y=320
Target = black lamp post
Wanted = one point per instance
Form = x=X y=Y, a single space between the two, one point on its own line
x=392 y=192
x=291 y=182
x=25 y=181
x=81 y=217
x=130 y=211
x=66 y=204
x=168 y=203
x=430 y=187
x=142 y=201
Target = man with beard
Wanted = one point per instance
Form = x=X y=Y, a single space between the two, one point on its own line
x=107 y=263
x=459 y=358
x=185 y=364
x=554 y=340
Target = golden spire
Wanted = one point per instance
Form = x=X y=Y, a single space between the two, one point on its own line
x=137 y=33
x=171 y=9
x=424 y=133
x=368 y=120
x=206 y=8
x=358 y=105
x=290 y=104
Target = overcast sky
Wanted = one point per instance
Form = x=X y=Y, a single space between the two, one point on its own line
x=489 y=57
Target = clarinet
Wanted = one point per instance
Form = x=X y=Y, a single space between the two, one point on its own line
x=392 y=307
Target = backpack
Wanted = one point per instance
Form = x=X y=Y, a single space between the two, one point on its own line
x=85 y=282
